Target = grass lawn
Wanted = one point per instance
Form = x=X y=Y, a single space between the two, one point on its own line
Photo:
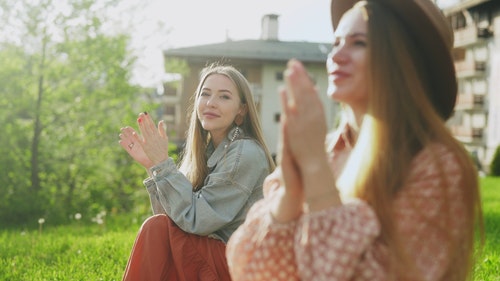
x=98 y=252
x=488 y=263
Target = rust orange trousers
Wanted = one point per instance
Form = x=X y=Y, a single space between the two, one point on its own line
x=162 y=251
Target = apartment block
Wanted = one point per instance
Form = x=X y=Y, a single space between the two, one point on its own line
x=476 y=122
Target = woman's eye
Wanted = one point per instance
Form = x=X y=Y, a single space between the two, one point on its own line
x=360 y=43
x=226 y=97
x=204 y=94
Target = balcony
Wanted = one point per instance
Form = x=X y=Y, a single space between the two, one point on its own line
x=452 y=6
x=470 y=68
x=468 y=134
x=468 y=101
x=470 y=35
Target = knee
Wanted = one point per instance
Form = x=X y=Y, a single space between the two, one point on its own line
x=155 y=222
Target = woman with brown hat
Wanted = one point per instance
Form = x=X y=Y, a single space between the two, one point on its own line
x=395 y=196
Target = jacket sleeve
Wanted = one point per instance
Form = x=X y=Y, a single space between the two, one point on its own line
x=226 y=191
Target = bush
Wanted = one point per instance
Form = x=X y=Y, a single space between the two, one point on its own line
x=495 y=164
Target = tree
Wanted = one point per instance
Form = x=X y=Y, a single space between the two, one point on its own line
x=66 y=93
x=495 y=163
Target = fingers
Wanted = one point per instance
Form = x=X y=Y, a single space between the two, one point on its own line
x=146 y=124
x=300 y=87
x=129 y=138
x=127 y=134
x=162 y=128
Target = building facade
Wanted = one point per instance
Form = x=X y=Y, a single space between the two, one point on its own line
x=476 y=122
x=262 y=62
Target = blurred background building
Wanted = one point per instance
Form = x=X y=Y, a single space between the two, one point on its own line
x=261 y=61
x=476 y=122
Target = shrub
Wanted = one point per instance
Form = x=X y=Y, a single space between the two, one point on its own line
x=495 y=163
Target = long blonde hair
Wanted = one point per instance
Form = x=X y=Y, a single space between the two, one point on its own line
x=194 y=159
x=400 y=122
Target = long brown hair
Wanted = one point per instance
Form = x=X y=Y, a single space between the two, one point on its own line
x=194 y=160
x=400 y=122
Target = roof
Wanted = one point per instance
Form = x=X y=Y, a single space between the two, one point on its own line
x=261 y=50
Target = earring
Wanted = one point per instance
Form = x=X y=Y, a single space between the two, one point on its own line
x=236 y=133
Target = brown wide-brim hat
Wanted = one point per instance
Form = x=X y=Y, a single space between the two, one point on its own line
x=434 y=35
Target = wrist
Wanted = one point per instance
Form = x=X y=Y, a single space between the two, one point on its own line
x=319 y=186
x=286 y=207
x=320 y=201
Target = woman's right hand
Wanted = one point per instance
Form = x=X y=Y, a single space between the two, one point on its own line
x=304 y=158
x=305 y=118
x=130 y=142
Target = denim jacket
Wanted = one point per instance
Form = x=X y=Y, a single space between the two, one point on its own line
x=237 y=171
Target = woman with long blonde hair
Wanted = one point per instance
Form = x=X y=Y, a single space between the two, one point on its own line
x=199 y=205
x=395 y=196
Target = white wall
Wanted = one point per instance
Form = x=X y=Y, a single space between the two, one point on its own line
x=271 y=103
x=493 y=130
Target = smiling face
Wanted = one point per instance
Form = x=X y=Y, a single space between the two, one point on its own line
x=217 y=105
x=347 y=62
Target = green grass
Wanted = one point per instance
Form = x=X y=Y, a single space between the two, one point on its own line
x=93 y=252
x=488 y=263
x=73 y=252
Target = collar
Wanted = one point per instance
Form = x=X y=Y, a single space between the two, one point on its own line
x=344 y=137
x=216 y=153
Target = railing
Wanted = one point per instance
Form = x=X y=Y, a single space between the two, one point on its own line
x=469 y=68
x=469 y=101
x=470 y=35
x=467 y=134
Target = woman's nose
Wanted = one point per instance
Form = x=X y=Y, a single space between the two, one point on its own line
x=211 y=101
x=338 y=55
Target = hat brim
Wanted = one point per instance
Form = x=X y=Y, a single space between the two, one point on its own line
x=338 y=8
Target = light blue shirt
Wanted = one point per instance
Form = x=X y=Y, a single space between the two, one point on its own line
x=236 y=173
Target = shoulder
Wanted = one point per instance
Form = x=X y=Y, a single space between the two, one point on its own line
x=438 y=171
x=434 y=157
x=249 y=149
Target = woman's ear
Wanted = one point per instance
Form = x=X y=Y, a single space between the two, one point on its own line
x=243 y=110
x=238 y=120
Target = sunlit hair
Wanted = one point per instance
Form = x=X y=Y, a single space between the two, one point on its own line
x=400 y=122
x=194 y=159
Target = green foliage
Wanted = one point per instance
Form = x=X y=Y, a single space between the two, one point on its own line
x=65 y=95
x=495 y=163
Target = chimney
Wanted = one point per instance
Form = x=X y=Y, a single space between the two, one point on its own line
x=269 y=27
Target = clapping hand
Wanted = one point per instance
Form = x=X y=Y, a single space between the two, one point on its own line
x=148 y=148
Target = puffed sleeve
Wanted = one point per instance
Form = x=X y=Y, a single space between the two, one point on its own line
x=262 y=249
x=327 y=245
x=330 y=244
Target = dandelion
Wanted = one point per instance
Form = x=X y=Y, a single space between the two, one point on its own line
x=102 y=213
x=41 y=221
x=99 y=219
x=78 y=216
